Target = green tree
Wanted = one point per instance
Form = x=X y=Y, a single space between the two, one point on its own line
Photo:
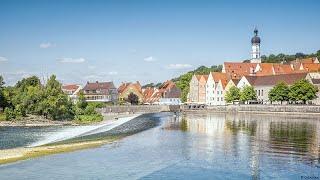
x=232 y=94
x=81 y=101
x=318 y=55
x=247 y=93
x=3 y=100
x=183 y=84
x=302 y=90
x=279 y=92
x=56 y=105
x=133 y=98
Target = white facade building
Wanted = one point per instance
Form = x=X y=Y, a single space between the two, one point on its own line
x=210 y=90
x=215 y=88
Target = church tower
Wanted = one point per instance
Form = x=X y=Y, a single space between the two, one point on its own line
x=255 y=54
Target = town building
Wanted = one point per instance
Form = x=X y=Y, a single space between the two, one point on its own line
x=72 y=91
x=263 y=84
x=167 y=94
x=127 y=88
x=210 y=89
x=193 y=95
x=202 y=89
x=100 y=92
x=150 y=95
x=215 y=88
x=170 y=94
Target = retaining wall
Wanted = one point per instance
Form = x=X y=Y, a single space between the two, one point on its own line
x=135 y=109
x=264 y=108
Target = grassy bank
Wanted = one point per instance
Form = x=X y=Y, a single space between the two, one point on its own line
x=88 y=119
x=2 y=117
x=18 y=154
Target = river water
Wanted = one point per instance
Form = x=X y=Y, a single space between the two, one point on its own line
x=189 y=146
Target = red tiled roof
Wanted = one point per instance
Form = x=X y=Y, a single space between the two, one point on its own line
x=311 y=67
x=235 y=81
x=148 y=94
x=238 y=69
x=274 y=79
x=283 y=69
x=125 y=86
x=169 y=90
x=99 y=85
x=205 y=77
x=70 y=87
x=220 y=76
x=307 y=60
x=265 y=69
x=198 y=77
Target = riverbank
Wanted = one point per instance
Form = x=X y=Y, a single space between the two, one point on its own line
x=18 y=154
x=38 y=121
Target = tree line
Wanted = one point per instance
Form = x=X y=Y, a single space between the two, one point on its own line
x=301 y=91
x=286 y=58
x=29 y=97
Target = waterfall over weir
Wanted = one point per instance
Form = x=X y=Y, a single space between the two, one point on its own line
x=80 y=131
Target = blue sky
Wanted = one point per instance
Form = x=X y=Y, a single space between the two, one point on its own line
x=149 y=41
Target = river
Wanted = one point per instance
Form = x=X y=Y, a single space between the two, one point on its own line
x=183 y=146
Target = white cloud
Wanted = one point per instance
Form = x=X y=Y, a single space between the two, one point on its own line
x=179 y=66
x=113 y=73
x=72 y=60
x=3 y=59
x=150 y=59
x=46 y=45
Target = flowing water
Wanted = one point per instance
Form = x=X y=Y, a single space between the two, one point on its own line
x=11 y=137
x=190 y=146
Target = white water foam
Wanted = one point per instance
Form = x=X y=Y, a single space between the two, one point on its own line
x=79 y=131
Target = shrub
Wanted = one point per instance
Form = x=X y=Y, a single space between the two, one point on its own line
x=9 y=114
x=89 y=118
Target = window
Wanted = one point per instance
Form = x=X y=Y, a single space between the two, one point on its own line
x=259 y=92
x=262 y=92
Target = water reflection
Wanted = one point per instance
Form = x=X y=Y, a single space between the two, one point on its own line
x=274 y=140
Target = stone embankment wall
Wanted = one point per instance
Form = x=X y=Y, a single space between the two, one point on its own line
x=261 y=108
x=138 y=109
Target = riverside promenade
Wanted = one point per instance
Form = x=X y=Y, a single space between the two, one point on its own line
x=255 y=108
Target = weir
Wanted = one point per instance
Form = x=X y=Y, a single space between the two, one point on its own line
x=80 y=131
